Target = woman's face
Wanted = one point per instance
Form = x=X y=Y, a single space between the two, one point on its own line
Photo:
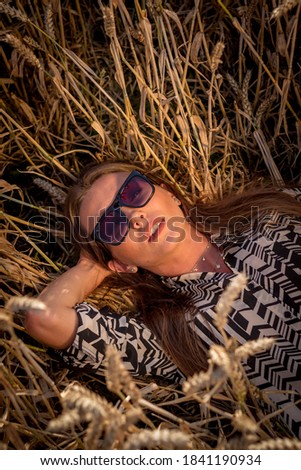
x=155 y=229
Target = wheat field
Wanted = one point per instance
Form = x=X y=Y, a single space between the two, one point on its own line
x=205 y=93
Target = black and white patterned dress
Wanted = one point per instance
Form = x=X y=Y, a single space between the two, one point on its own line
x=269 y=253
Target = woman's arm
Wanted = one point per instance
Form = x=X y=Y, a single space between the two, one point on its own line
x=57 y=326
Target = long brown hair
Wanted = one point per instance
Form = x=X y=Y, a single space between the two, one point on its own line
x=160 y=308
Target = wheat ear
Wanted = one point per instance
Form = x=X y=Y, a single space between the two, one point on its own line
x=282 y=9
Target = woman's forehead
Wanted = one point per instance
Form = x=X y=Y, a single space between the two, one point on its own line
x=99 y=197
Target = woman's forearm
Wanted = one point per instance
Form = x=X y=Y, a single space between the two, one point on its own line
x=74 y=285
x=57 y=325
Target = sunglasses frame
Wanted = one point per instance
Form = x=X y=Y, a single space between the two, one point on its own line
x=116 y=204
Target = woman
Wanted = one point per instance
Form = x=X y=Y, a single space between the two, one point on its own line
x=133 y=231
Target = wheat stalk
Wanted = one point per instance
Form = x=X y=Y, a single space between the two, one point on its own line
x=49 y=25
x=263 y=107
x=233 y=84
x=203 y=380
x=277 y=444
x=137 y=34
x=64 y=422
x=32 y=43
x=117 y=377
x=245 y=94
x=13 y=12
x=250 y=10
x=225 y=302
x=253 y=347
x=244 y=423
x=82 y=405
x=217 y=55
x=117 y=429
x=220 y=357
x=24 y=51
x=195 y=47
x=109 y=20
x=24 y=304
x=57 y=195
x=238 y=382
x=283 y=8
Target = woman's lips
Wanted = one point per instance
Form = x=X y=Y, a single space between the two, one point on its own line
x=156 y=230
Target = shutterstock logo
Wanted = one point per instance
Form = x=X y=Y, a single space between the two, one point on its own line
x=51 y=227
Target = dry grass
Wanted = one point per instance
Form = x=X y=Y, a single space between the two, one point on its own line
x=206 y=94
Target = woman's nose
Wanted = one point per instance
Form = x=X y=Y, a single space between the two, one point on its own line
x=137 y=219
x=139 y=223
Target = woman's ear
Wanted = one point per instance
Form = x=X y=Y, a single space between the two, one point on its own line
x=177 y=201
x=119 y=267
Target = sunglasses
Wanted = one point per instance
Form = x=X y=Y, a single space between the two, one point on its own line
x=113 y=225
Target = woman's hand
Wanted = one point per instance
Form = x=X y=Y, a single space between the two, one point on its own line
x=57 y=325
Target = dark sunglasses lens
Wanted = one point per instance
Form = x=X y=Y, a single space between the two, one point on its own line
x=114 y=225
x=136 y=193
x=112 y=228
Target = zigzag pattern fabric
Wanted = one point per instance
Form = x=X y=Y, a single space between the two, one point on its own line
x=137 y=345
x=269 y=253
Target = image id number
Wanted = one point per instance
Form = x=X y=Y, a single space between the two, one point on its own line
x=222 y=459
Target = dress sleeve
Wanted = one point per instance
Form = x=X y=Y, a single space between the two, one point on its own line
x=138 y=347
